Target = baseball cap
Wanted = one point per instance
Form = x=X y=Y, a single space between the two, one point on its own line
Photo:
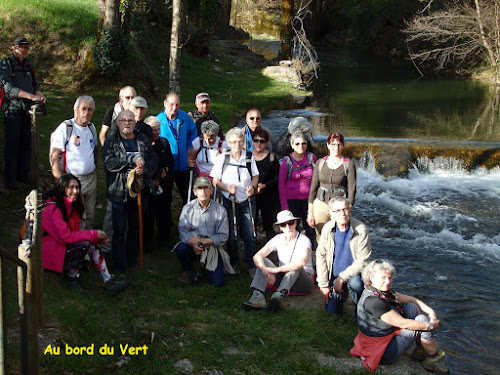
x=201 y=97
x=202 y=182
x=139 y=102
x=20 y=40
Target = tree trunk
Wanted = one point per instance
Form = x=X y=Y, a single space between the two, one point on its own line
x=175 y=54
x=286 y=32
x=484 y=39
x=109 y=16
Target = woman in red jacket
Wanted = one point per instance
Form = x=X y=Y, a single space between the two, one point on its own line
x=62 y=235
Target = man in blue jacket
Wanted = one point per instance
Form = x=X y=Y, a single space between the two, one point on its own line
x=180 y=131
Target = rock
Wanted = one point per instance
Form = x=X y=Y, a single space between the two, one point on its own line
x=184 y=366
x=218 y=69
x=284 y=74
x=403 y=366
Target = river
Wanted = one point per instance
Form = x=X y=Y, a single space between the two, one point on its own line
x=439 y=225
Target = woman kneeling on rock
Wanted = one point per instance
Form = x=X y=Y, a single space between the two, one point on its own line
x=389 y=322
x=62 y=234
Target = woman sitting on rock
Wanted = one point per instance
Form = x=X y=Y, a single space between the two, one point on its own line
x=389 y=322
x=62 y=235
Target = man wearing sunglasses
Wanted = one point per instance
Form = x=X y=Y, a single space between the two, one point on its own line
x=294 y=273
x=343 y=250
x=109 y=127
x=253 y=121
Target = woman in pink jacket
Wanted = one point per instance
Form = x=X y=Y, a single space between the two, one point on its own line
x=62 y=235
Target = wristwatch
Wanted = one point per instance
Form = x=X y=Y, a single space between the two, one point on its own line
x=430 y=327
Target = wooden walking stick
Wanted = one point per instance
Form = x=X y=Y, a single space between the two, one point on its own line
x=139 y=210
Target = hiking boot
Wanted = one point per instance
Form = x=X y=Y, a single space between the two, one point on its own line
x=275 y=301
x=419 y=353
x=186 y=277
x=113 y=286
x=256 y=302
x=436 y=364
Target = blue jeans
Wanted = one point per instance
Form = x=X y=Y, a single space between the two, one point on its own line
x=400 y=343
x=125 y=242
x=244 y=222
x=186 y=256
x=355 y=287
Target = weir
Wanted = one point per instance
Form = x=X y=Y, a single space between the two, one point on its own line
x=397 y=157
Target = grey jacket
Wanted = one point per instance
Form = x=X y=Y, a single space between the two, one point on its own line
x=118 y=163
x=16 y=76
x=360 y=247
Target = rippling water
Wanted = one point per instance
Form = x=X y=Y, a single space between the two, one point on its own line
x=440 y=229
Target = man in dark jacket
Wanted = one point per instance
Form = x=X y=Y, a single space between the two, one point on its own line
x=21 y=88
x=125 y=151
x=203 y=113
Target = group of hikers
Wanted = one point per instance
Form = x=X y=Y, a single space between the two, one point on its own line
x=228 y=184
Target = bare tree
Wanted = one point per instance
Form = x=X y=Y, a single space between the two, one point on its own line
x=462 y=35
x=175 y=53
x=304 y=56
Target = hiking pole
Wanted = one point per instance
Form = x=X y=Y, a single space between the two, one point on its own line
x=139 y=210
x=233 y=202
x=190 y=184
x=215 y=192
x=251 y=215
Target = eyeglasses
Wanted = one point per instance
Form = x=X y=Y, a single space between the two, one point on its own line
x=23 y=46
x=300 y=144
x=128 y=97
x=125 y=120
x=335 y=144
x=259 y=140
x=254 y=118
x=342 y=210
x=289 y=223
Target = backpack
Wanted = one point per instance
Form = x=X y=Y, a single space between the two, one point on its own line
x=289 y=164
x=2 y=83
x=248 y=160
x=69 y=131
x=219 y=147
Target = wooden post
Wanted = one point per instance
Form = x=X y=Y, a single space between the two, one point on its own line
x=3 y=317
x=35 y=162
x=34 y=284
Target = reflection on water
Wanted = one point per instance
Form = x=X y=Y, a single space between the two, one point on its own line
x=364 y=97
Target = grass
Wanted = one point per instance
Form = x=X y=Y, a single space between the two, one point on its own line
x=202 y=323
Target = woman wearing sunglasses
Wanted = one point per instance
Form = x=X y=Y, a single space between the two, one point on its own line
x=294 y=274
x=295 y=178
x=334 y=176
x=267 y=198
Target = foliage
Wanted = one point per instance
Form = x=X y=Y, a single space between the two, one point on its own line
x=460 y=37
x=110 y=54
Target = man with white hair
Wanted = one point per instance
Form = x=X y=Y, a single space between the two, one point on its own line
x=108 y=127
x=73 y=150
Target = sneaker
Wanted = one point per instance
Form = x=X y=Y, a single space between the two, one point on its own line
x=275 y=301
x=113 y=286
x=436 y=364
x=186 y=277
x=419 y=353
x=256 y=302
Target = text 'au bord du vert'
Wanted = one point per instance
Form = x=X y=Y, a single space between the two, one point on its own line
x=122 y=349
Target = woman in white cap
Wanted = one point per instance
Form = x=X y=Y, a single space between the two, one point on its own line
x=293 y=275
